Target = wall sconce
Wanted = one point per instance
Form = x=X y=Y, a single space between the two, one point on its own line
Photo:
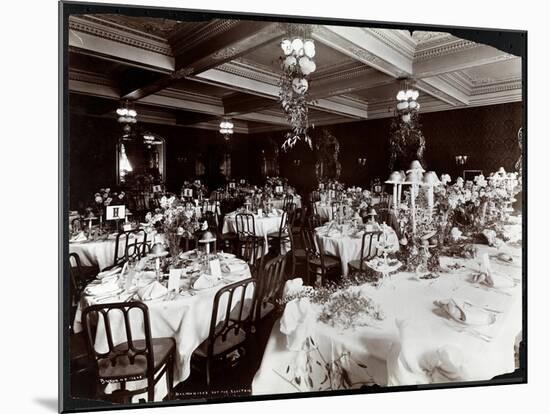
x=362 y=161
x=461 y=159
x=297 y=163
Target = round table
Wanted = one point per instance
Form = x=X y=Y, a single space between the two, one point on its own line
x=185 y=317
x=345 y=245
x=263 y=225
x=414 y=343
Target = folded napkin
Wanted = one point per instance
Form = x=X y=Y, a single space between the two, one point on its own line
x=152 y=291
x=233 y=267
x=414 y=360
x=107 y=273
x=293 y=287
x=297 y=323
x=205 y=282
x=110 y=285
x=465 y=313
x=79 y=237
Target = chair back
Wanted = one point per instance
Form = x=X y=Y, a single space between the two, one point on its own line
x=288 y=202
x=232 y=314
x=314 y=221
x=368 y=248
x=136 y=250
x=123 y=240
x=315 y=196
x=252 y=251
x=115 y=318
x=245 y=225
x=271 y=281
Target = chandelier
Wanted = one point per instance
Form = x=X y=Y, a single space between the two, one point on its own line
x=226 y=128
x=407 y=104
x=297 y=64
x=126 y=114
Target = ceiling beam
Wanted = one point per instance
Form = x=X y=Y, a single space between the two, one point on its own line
x=239 y=37
x=366 y=47
x=443 y=90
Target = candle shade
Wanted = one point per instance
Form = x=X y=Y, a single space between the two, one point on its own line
x=394 y=178
x=431 y=179
x=415 y=166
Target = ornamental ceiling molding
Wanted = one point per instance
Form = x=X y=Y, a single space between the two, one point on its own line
x=190 y=96
x=89 y=77
x=456 y=82
x=394 y=41
x=438 y=93
x=449 y=48
x=182 y=42
x=110 y=31
x=500 y=86
x=249 y=71
x=336 y=70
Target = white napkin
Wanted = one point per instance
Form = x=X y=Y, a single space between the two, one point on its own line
x=106 y=273
x=294 y=287
x=297 y=323
x=205 y=281
x=233 y=267
x=152 y=291
x=465 y=313
x=79 y=237
x=111 y=285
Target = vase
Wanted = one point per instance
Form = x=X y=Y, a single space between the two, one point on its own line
x=174 y=243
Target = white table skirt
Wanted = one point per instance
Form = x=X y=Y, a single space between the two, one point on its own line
x=186 y=319
x=99 y=253
x=413 y=344
x=279 y=203
x=262 y=225
x=349 y=248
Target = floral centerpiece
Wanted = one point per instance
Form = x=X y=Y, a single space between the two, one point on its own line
x=103 y=198
x=176 y=220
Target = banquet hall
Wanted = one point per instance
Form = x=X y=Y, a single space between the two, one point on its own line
x=263 y=208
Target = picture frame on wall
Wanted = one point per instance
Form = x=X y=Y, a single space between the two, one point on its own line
x=205 y=302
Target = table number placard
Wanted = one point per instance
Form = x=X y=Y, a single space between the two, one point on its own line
x=321 y=186
x=279 y=189
x=215 y=268
x=157 y=188
x=188 y=192
x=174 y=279
x=115 y=212
x=231 y=185
x=242 y=181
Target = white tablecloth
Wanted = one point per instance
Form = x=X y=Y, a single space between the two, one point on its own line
x=100 y=253
x=413 y=344
x=348 y=248
x=279 y=202
x=185 y=318
x=262 y=225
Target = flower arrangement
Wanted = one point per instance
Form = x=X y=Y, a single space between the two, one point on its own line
x=176 y=220
x=297 y=64
x=348 y=308
x=103 y=198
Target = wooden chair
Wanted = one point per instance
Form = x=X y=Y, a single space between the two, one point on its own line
x=136 y=359
x=314 y=221
x=317 y=262
x=230 y=325
x=336 y=206
x=79 y=279
x=297 y=251
x=270 y=285
x=252 y=251
x=122 y=242
x=137 y=250
x=226 y=241
x=281 y=237
x=288 y=202
x=368 y=251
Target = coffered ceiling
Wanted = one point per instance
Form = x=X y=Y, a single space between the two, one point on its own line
x=194 y=73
